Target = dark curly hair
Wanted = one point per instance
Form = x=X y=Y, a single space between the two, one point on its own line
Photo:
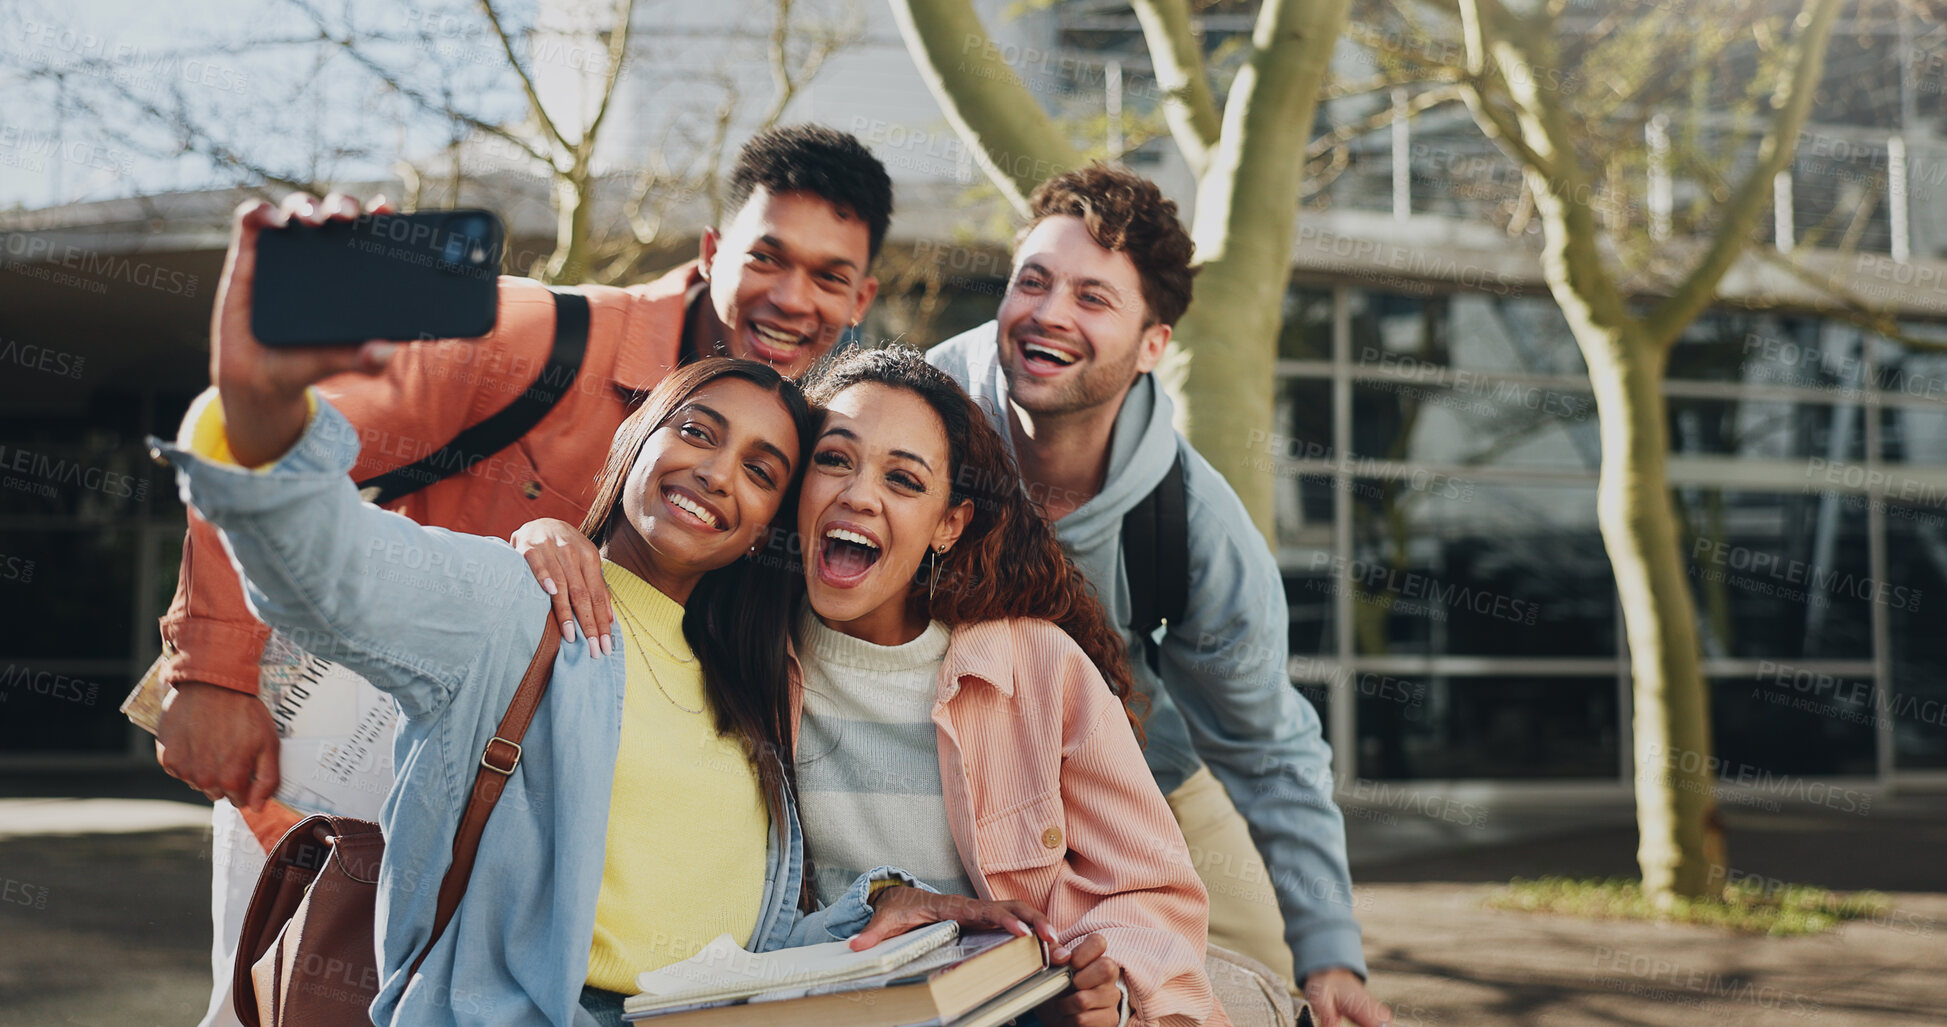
x=1007 y=562
x=1125 y=212
x=821 y=161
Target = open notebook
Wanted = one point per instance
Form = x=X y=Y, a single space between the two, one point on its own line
x=723 y=971
x=938 y=987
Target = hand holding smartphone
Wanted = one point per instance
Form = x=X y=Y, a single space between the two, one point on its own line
x=262 y=385
x=400 y=277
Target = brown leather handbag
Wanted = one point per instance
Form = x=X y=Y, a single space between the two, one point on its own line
x=306 y=955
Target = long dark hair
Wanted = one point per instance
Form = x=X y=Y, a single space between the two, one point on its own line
x=738 y=618
x=1007 y=562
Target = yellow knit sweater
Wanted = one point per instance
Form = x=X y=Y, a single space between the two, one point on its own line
x=686 y=823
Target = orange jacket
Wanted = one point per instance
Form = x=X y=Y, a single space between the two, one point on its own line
x=1050 y=803
x=428 y=394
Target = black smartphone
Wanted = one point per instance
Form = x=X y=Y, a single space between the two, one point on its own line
x=432 y=274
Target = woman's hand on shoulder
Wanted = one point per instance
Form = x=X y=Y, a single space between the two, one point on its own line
x=569 y=568
x=1096 y=1001
x=899 y=909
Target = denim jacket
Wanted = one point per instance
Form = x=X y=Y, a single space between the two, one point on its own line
x=446 y=623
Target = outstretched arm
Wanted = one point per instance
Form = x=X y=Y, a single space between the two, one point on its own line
x=346 y=581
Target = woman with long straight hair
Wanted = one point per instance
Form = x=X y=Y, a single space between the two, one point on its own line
x=649 y=811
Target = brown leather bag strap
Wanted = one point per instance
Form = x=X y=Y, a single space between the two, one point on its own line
x=497 y=762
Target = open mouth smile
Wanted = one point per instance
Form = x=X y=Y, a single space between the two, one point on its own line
x=1043 y=359
x=846 y=554
x=776 y=344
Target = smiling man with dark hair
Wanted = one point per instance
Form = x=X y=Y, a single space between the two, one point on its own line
x=1101 y=274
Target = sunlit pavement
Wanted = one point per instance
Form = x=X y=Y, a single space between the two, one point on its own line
x=104 y=914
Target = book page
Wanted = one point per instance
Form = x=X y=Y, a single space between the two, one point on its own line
x=724 y=968
x=336 y=729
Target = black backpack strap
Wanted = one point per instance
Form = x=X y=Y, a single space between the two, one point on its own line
x=1156 y=559
x=505 y=426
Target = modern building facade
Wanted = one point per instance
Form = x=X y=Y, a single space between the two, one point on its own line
x=1436 y=446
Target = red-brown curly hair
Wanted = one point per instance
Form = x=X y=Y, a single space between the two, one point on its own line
x=1125 y=213
x=1007 y=562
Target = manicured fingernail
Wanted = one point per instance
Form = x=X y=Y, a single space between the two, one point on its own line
x=547 y=584
x=608 y=646
x=594 y=649
x=1060 y=953
x=568 y=631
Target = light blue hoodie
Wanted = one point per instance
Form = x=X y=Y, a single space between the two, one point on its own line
x=446 y=624
x=1224 y=699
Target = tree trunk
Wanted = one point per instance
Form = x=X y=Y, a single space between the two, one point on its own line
x=1246 y=218
x=568 y=264
x=1014 y=140
x=1681 y=847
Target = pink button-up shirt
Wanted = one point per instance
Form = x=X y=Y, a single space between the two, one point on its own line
x=1050 y=803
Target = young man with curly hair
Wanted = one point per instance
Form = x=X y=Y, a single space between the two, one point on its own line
x=1100 y=276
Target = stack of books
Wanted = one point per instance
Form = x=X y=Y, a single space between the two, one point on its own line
x=930 y=976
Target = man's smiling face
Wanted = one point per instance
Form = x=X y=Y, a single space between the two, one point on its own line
x=1074 y=329
x=786 y=277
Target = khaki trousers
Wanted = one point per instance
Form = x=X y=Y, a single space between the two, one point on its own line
x=1244 y=915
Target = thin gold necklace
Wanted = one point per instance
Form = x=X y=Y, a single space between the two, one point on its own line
x=629 y=624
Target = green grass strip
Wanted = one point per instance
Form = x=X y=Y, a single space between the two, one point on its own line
x=1749 y=907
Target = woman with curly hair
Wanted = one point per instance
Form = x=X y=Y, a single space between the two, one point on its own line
x=954 y=714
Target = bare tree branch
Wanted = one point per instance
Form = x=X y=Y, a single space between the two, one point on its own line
x=1177 y=58
x=1793 y=105
x=444 y=107
x=527 y=81
x=618 y=51
x=1380 y=119
x=1019 y=144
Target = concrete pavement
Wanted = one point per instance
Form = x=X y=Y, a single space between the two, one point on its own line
x=104 y=914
